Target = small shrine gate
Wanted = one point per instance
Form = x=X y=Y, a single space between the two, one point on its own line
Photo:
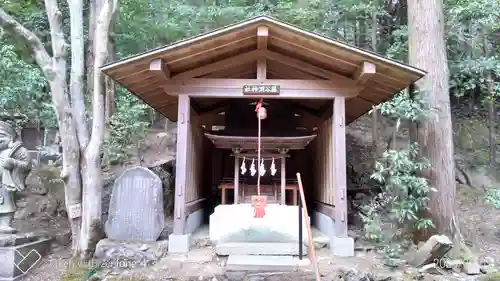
x=312 y=87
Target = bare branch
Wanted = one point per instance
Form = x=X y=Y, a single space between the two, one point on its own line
x=59 y=45
x=40 y=54
x=92 y=179
x=101 y=53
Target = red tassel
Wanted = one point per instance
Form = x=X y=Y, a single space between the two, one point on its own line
x=259 y=211
x=258 y=106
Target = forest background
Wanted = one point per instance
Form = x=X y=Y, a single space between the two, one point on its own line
x=42 y=44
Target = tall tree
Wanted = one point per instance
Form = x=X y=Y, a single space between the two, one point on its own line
x=81 y=171
x=427 y=50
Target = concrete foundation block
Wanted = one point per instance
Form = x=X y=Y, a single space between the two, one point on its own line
x=252 y=263
x=265 y=249
x=179 y=243
x=236 y=224
x=19 y=253
x=342 y=246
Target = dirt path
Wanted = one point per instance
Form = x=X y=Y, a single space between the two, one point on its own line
x=479 y=222
x=202 y=264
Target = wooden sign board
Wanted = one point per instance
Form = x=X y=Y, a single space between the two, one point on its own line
x=75 y=211
x=261 y=90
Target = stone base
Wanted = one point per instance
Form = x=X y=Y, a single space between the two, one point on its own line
x=342 y=246
x=179 y=243
x=21 y=252
x=8 y=231
x=251 y=263
x=236 y=224
x=118 y=255
x=265 y=249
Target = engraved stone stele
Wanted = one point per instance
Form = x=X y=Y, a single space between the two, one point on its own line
x=136 y=207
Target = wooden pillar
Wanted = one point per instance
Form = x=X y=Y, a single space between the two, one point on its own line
x=339 y=151
x=236 y=180
x=283 y=180
x=181 y=170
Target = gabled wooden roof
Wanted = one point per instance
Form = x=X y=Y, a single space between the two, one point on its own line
x=292 y=53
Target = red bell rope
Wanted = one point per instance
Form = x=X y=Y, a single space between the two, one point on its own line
x=258 y=106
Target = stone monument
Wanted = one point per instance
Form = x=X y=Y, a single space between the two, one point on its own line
x=136 y=207
x=135 y=220
x=19 y=252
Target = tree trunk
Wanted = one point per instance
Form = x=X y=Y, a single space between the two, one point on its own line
x=90 y=45
x=491 y=120
x=68 y=132
x=76 y=94
x=375 y=110
x=491 y=105
x=86 y=231
x=110 y=107
x=92 y=179
x=77 y=70
x=54 y=69
x=427 y=51
x=468 y=51
x=412 y=127
x=71 y=161
x=110 y=87
x=362 y=32
x=110 y=84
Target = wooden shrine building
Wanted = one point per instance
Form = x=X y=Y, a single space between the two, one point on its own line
x=311 y=86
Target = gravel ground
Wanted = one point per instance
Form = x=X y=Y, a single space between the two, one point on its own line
x=479 y=222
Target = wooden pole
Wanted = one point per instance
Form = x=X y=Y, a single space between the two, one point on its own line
x=300 y=229
x=258 y=154
x=283 y=181
x=339 y=173
x=312 y=250
x=236 y=180
x=181 y=170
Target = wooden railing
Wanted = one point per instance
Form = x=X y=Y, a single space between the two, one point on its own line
x=303 y=213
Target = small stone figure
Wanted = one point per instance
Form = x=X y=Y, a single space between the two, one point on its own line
x=15 y=166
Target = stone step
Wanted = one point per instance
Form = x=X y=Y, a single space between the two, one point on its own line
x=264 y=263
x=260 y=248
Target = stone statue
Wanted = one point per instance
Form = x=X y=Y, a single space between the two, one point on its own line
x=15 y=166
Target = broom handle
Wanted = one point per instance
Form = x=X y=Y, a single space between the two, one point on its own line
x=312 y=250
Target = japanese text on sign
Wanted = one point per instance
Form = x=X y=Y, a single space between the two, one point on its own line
x=261 y=89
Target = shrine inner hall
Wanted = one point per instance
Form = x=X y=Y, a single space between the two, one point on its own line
x=216 y=84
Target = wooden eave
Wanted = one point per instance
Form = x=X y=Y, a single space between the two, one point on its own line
x=147 y=74
x=267 y=143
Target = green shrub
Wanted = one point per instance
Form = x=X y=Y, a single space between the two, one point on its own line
x=395 y=212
